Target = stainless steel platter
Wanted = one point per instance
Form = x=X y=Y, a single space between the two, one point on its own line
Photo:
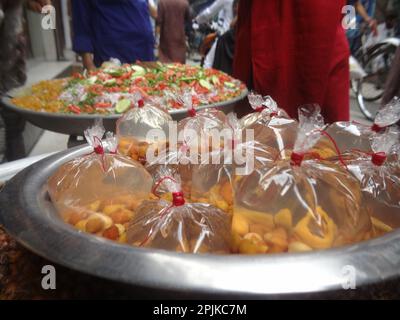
x=75 y=124
x=28 y=215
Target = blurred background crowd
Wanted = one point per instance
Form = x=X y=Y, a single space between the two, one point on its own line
x=296 y=51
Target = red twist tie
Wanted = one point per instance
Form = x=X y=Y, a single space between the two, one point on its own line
x=377 y=128
x=178 y=199
x=326 y=134
x=379 y=158
x=141 y=103
x=99 y=149
x=158 y=183
x=273 y=114
x=296 y=159
x=192 y=112
x=259 y=109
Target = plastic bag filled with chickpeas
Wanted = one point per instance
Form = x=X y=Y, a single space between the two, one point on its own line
x=99 y=192
x=172 y=223
x=299 y=204
x=378 y=173
x=192 y=137
x=271 y=125
x=145 y=124
x=353 y=135
x=237 y=156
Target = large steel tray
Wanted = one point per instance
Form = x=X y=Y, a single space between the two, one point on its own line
x=75 y=124
x=28 y=215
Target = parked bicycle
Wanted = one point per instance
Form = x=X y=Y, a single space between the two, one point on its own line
x=375 y=57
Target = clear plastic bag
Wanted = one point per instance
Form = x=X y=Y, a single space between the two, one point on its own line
x=145 y=125
x=199 y=126
x=238 y=155
x=178 y=225
x=299 y=204
x=353 y=135
x=379 y=177
x=272 y=126
x=100 y=192
x=179 y=162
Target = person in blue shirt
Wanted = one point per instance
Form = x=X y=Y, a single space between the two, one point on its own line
x=365 y=10
x=105 y=29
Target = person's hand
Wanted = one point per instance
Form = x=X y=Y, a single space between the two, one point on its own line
x=37 y=5
x=87 y=60
x=373 y=25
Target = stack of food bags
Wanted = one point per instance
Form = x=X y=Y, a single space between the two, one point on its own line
x=99 y=192
x=177 y=225
x=145 y=125
x=301 y=203
x=194 y=137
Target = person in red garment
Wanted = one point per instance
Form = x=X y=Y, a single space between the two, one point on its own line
x=296 y=52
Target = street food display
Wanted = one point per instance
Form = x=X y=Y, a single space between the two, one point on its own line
x=310 y=197
x=107 y=90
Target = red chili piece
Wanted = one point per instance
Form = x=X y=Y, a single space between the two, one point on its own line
x=74 y=109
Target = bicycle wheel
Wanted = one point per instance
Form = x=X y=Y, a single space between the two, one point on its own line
x=370 y=88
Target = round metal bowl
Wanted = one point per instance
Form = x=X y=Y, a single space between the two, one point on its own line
x=75 y=124
x=29 y=216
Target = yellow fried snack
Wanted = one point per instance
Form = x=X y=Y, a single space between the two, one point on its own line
x=284 y=219
x=304 y=230
x=109 y=209
x=325 y=149
x=277 y=240
x=297 y=246
x=380 y=227
x=219 y=196
x=240 y=225
x=256 y=217
x=252 y=243
x=94 y=206
x=227 y=192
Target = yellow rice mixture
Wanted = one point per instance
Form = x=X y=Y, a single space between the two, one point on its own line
x=44 y=96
